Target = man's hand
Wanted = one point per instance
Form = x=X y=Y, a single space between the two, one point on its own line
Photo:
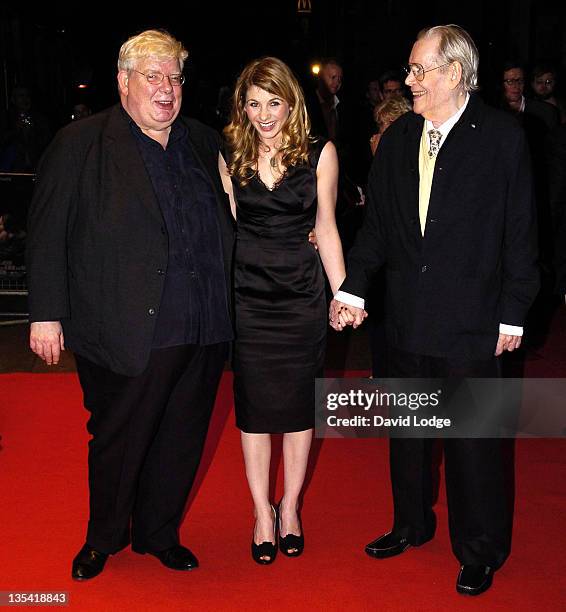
x=506 y=342
x=46 y=340
x=341 y=314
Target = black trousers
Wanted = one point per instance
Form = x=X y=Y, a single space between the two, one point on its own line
x=477 y=483
x=148 y=433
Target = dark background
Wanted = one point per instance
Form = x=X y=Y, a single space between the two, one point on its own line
x=54 y=48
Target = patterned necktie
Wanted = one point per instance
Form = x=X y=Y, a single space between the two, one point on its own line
x=435 y=136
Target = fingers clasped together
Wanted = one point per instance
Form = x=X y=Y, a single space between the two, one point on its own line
x=341 y=315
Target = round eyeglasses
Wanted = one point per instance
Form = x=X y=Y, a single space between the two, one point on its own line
x=155 y=78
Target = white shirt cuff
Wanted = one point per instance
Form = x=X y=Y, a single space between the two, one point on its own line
x=351 y=300
x=511 y=330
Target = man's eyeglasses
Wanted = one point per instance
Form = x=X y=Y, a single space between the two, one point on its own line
x=418 y=71
x=510 y=82
x=155 y=78
x=544 y=82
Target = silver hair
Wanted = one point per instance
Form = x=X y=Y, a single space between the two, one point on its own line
x=456 y=45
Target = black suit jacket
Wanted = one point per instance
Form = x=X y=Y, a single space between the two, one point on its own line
x=546 y=113
x=343 y=128
x=97 y=242
x=556 y=162
x=475 y=267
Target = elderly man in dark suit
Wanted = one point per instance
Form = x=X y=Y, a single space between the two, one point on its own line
x=451 y=216
x=130 y=243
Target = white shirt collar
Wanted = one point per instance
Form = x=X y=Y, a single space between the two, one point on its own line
x=522 y=108
x=445 y=127
x=335 y=99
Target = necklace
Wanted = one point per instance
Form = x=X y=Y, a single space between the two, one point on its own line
x=272 y=162
x=275 y=170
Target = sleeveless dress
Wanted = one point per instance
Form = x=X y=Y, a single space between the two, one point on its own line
x=280 y=302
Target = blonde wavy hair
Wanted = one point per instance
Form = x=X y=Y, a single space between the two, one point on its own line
x=390 y=110
x=275 y=77
x=157 y=44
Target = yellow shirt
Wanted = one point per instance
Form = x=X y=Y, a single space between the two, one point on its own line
x=426 y=174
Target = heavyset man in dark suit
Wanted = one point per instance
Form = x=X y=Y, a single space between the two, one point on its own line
x=451 y=216
x=130 y=243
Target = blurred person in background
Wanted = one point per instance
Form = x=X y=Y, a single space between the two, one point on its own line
x=391 y=84
x=385 y=114
x=544 y=83
x=26 y=134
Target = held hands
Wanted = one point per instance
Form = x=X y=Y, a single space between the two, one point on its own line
x=341 y=314
x=312 y=238
x=46 y=341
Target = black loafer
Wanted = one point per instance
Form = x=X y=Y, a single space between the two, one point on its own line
x=175 y=558
x=88 y=563
x=388 y=545
x=474 y=579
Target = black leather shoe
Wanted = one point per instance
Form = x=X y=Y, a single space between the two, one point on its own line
x=176 y=558
x=388 y=545
x=88 y=563
x=474 y=579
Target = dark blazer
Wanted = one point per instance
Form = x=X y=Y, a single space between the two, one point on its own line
x=97 y=243
x=546 y=113
x=556 y=151
x=475 y=267
x=344 y=127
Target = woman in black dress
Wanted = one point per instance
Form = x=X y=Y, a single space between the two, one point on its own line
x=282 y=184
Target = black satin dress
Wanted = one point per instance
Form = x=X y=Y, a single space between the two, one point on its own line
x=280 y=303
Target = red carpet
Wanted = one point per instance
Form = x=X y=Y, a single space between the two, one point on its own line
x=43 y=510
